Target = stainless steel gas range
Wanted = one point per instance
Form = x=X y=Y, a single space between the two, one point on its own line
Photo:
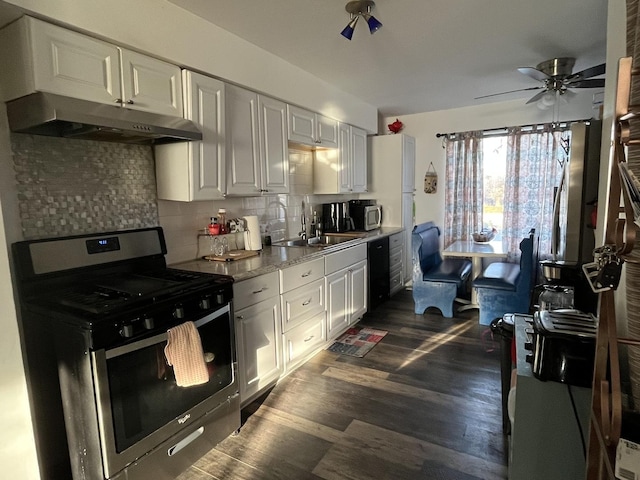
x=95 y=310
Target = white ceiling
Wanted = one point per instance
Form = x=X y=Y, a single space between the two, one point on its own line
x=430 y=54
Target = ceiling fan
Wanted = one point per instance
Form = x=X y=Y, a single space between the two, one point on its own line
x=557 y=78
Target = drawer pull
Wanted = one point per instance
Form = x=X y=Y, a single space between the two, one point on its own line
x=240 y=317
x=306 y=274
x=260 y=291
x=304 y=304
x=310 y=337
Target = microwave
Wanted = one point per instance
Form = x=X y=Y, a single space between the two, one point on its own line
x=366 y=215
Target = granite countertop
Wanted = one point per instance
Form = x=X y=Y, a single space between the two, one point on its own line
x=273 y=258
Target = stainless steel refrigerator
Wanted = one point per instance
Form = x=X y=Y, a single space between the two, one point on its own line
x=573 y=238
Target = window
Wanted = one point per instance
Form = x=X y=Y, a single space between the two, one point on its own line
x=504 y=180
x=494 y=154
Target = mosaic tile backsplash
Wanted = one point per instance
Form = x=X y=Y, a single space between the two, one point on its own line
x=72 y=187
x=69 y=187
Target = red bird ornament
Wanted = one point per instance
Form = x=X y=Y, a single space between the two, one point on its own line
x=396 y=126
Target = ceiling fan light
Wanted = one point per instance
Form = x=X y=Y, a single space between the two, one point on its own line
x=373 y=22
x=541 y=105
x=347 y=32
x=548 y=99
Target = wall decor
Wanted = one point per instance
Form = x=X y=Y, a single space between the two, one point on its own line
x=430 y=179
x=396 y=126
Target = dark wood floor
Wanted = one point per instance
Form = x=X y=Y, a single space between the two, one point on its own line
x=423 y=404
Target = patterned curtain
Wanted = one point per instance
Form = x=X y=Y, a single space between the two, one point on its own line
x=463 y=187
x=535 y=161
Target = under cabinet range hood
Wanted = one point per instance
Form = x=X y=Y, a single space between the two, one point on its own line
x=59 y=116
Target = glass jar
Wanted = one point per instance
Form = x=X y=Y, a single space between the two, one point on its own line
x=222 y=220
x=555 y=297
x=214 y=227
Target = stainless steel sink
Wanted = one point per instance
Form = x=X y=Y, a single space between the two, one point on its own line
x=321 y=241
x=298 y=242
x=328 y=240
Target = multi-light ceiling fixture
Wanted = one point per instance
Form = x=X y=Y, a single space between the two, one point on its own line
x=357 y=9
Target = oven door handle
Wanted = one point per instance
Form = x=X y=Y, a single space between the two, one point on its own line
x=162 y=337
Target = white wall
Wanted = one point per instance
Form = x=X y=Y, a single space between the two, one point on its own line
x=166 y=31
x=424 y=126
x=17 y=445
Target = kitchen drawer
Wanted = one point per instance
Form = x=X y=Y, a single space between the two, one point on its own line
x=301 y=341
x=302 y=303
x=338 y=260
x=396 y=240
x=396 y=282
x=395 y=259
x=254 y=290
x=301 y=274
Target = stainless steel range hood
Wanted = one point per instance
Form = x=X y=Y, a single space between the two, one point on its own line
x=55 y=115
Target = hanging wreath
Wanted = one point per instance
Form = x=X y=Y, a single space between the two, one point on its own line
x=430 y=179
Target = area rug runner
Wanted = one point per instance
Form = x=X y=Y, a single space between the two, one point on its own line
x=357 y=342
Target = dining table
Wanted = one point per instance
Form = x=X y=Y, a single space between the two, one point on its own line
x=476 y=251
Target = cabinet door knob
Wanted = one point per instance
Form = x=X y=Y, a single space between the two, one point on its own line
x=130 y=102
x=118 y=100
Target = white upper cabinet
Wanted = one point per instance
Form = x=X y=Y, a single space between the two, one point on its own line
x=188 y=171
x=257 y=149
x=150 y=84
x=343 y=170
x=408 y=163
x=38 y=56
x=311 y=128
x=358 y=160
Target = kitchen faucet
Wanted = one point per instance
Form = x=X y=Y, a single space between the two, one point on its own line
x=303 y=220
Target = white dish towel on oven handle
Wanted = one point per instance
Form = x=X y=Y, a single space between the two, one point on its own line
x=184 y=353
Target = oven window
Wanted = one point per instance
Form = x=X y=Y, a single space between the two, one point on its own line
x=143 y=391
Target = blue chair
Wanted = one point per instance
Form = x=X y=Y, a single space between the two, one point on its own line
x=506 y=287
x=436 y=282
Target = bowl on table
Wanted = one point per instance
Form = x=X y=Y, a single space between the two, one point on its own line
x=484 y=236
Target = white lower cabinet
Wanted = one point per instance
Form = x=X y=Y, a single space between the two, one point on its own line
x=258 y=334
x=283 y=318
x=396 y=262
x=303 y=311
x=301 y=303
x=303 y=340
x=346 y=288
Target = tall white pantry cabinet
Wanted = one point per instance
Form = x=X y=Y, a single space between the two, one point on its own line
x=392 y=184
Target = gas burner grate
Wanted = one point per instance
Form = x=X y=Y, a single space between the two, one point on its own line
x=94 y=300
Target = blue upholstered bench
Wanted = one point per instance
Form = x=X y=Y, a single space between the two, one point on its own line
x=436 y=282
x=506 y=287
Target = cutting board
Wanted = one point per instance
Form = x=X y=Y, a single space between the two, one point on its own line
x=232 y=255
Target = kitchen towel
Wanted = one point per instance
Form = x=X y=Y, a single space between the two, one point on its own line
x=252 y=240
x=184 y=353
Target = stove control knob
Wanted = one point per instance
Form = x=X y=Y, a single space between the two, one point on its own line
x=220 y=298
x=127 y=330
x=528 y=345
x=178 y=312
x=205 y=303
x=529 y=358
x=148 y=323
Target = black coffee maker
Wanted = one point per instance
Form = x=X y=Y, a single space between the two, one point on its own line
x=335 y=217
x=565 y=286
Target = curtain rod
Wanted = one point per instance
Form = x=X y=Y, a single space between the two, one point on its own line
x=493 y=131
